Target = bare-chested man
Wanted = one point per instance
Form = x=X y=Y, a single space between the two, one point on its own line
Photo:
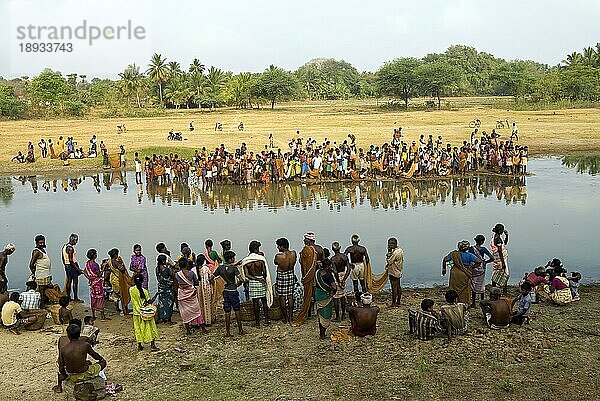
x=72 y=358
x=62 y=341
x=341 y=269
x=358 y=258
x=256 y=271
x=72 y=269
x=285 y=261
x=9 y=249
x=363 y=318
x=40 y=267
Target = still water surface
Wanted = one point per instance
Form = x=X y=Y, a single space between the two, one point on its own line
x=551 y=214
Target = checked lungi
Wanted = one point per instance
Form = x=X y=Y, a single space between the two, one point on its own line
x=285 y=283
x=257 y=289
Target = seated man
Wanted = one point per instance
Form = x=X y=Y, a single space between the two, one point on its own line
x=30 y=299
x=425 y=324
x=72 y=359
x=62 y=341
x=454 y=316
x=19 y=158
x=496 y=311
x=13 y=316
x=363 y=318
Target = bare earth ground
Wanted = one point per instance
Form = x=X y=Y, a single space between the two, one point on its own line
x=546 y=132
x=556 y=357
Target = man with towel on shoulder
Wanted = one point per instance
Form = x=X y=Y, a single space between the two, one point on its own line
x=259 y=281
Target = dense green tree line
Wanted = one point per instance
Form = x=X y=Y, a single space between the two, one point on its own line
x=459 y=71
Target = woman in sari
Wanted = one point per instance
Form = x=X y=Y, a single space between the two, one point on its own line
x=205 y=290
x=187 y=297
x=144 y=328
x=166 y=294
x=138 y=264
x=96 y=283
x=212 y=262
x=478 y=276
x=120 y=280
x=501 y=273
x=461 y=270
x=560 y=293
x=324 y=292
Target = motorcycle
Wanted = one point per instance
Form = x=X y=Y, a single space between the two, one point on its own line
x=174 y=136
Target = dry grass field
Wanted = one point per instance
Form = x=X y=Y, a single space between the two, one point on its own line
x=546 y=132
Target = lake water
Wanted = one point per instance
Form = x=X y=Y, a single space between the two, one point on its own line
x=551 y=214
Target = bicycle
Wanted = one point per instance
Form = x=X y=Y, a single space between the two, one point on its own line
x=476 y=123
x=121 y=129
x=502 y=124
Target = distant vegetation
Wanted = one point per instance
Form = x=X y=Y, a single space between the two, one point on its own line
x=459 y=71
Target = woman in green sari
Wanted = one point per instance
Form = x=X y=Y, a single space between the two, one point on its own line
x=324 y=292
x=144 y=327
x=166 y=295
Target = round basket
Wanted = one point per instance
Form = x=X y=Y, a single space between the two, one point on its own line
x=275 y=310
x=41 y=319
x=247 y=311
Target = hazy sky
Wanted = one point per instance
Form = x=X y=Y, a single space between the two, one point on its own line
x=253 y=34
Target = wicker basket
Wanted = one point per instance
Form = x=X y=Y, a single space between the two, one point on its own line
x=247 y=311
x=54 y=311
x=41 y=315
x=275 y=310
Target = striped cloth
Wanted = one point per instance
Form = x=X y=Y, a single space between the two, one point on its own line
x=423 y=325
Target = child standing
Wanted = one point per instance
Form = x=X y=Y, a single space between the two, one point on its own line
x=574 y=285
x=231 y=298
x=64 y=314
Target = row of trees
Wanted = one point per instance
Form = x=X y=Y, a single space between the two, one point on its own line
x=459 y=71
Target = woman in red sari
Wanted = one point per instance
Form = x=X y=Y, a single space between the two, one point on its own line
x=96 y=283
x=187 y=297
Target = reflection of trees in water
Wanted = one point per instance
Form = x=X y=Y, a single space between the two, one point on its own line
x=6 y=190
x=385 y=195
x=583 y=163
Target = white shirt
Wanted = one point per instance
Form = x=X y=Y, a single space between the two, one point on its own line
x=317 y=163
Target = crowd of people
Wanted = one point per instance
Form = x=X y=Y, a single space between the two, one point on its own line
x=69 y=149
x=467 y=265
x=197 y=285
x=330 y=160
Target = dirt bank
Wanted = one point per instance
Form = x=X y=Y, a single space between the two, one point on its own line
x=554 y=358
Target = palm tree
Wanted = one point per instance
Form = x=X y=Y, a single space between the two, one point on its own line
x=158 y=72
x=589 y=56
x=572 y=59
x=131 y=82
x=215 y=80
x=174 y=69
x=196 y=67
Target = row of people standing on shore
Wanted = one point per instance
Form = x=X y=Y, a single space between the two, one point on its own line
x=308 y=159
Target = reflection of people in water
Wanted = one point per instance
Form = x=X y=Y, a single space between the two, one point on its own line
x=384 y=195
